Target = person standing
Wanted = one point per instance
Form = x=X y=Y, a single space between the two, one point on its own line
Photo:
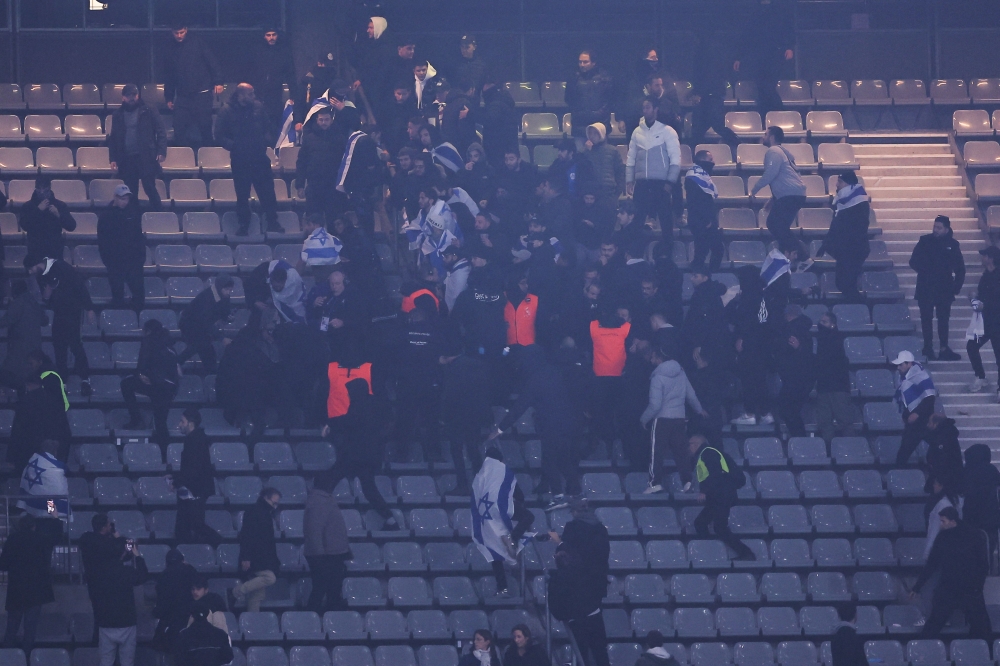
x=326 y=548
x=501 y=124
x=748 y=315
x=122 y=247
x=846 y=647
x=796 y=366
x=26 y=557
x=471 y=67
x=708 y=92
x=605 y=164
x=959 y=553
x=652 y=169
x=66 y=293
x=788 y=192
x=915 y=399
x=419 y=374
x=847 y=239
x=987 y=304
x=194 y=482
x=937 y=259
x=833 y=381
x=192 y=75
x=272 y=68
x=718 y=480
x=201 y=321
x=137 y=144
x=318 y=165
x=173 y=599
x=589 y=94
x=242 y=128
x=465 y=409
x=981 y=481
x=258 y=552
x=157 y=375
x=768 y=43
x=43 y=219
x=703 y=211
x=669 y=392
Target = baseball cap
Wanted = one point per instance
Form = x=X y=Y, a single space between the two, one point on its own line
x=468 y=39
x=992 y=251
x=130 y=90
x=123 y=191
x=904 y=357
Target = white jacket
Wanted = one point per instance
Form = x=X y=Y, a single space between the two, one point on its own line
x=654 y=153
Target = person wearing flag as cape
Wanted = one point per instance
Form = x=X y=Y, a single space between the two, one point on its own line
x=499 y=517
x=847 y=239
x=915 y=399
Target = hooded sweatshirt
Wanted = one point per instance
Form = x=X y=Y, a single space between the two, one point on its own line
x=981 y=480
x=606 y=161
x=669 y=390
x=657 y=656
x=654 y=153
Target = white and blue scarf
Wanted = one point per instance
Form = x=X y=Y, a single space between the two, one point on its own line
x=703 y=180
x=448 y=156
x=774 y=266
x=431 y=248
x=345 y=162
x=290 y=301
x=45 y=479
x=852 y=195
x=913 y=388
x=493 y=509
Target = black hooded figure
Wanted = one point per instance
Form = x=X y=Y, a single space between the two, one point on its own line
x=981 y=480
x=752 y=354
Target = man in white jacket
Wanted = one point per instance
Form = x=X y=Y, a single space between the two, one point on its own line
x=653 y=168
x=669 y=391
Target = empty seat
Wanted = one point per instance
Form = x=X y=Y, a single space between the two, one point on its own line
x=691 y=589
x=874 y=552
x=971 y=123
x=202 y=227
x=214 y=258
x=43 y=96
x=825 y=125
x=352 y=655
x=836 y=156
x=969 y=652
x=981 y=154
x=778 y=622
x=765 y=452
x=736 y=622
x=985 y=91
x=745 y=124
x=777 y=485
x=260 y=626
x=795 y=93
x=83 y=128
x=889 y=653
x=832 y=519
x=750 y=156
x=746 y=252
x=870 y=92
x=736 y=220
x=694 y=623
x=174 y=258
x=735 y=588
x=874 y=586
x=789 y=121
x=788 y=519
x=905 y=482
x=832 y=93
x=189 y=193
x=863 y=483
x=540 y=126
x=45 y=129
x=409 y=591
x=791 y=553
x=645 y=589
x=55 y=161
x=214 y=160
x=524 y=93
x=781 y=587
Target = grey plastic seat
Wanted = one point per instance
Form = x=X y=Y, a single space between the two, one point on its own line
x=274 y=457
x=778 y=622
x=807 y=452
x=314 y=456
x=735 y=588
x=260 y=626
x=427 y=625
x=464 y=623
x=602 y=486
x=290 y=523
x=203 y=227
x=707 y=654
x=746 y=124
x=43 y=129
x=618 y=520
x=365 y=557
x=270 y=655
x=889 y=653
x=831 y=93
x=789 y=121
x=10 y=130
x=905 y=482
x=395 y=655
x=825 y=125
x=746 y=252
x=971 y=123
x=924 y=652
x=250 y=256
x=747 y=520
x=851 y=451
x=874 y=586
x=430 y=523
x=454 y=591
x=242 y=489
x=130 y=524
x=827 y=587
x=362 y=592
x=344 y=626
x=691 y=589
x=215 y=258
x=750 y=156
x=87 y=423
x=864 y=349
x=437 y=655
x=352 y=655
x=797 y=652
x=788 y=519
x=764 y=452
x=214 y=161
x=302 y=626
x=142 y=457
x=706 y=554
x=874 y=552
x=832 y=518
x=657 y=521
x=820 y=484
x=409 y=591
x=863 y=483
x=645 y=589
x=49 y=657
x=892 y=318
x=667 y=555
x=98 y=458
x=882 y=417
x=694 y=623
x=875 y=518
x=230 y=457
x=795 y=94
x=540 y=126
x=833 y=553
x=791 y=553
x=83 y=128
x=445 y=557
x=174 y=258
x=525 y=93
x=417 y=490
x=776 y=485
x=189 y=193
x=969 y=652
x=736 y=622
x=853 y=318
x=55 y=161
x=870 y=92
x=292 y=488
x=645 y=620
x=781 y=587
x=626 y=555
x=817 y=621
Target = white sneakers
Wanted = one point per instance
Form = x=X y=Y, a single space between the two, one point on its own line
x=686 y=488
x=977 y=385
x=767 y=419
x=653 y=489
x=745 y=419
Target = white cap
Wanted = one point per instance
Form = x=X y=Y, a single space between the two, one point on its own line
x=904 y=357
x=436 y=220
x=123 y=191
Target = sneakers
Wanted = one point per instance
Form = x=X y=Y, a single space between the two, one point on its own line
x=85 y=389
x=686 y=488
x=977 y=385
x=919 y=623
x=745 y=419
x=929 y=354
x=946 y=354
x=558 y=502
x=767 y=419
x=504 y=593
x=651 y=489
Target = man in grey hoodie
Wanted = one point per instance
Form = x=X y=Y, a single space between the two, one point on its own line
x=788 y=192
x=669 y=391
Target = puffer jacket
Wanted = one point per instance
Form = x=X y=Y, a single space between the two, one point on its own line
x=654 y=153
x=588 y=95
x=244 y=130
x=669 y=390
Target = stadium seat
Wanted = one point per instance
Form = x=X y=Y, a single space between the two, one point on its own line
x=832 y=93
x=795 y=94
x=981 y=154
x=214 y=161
x=83 y=129
x=43 y=129
x=722 y=155
x=984 y=91
x=55 y=161
x=946 y=92
x=750 y=156
x=17 y=162
x=626 y=555
x=694 y=623
x=189 y=193
x=836 y=156
x=789 y=121
x=745 y=124
x=524 y=93
x=553 y=94
x=43 y=96
x=736 y=622
x=540 y=126
x=825 y=125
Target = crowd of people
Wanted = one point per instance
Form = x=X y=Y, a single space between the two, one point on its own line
x=560 y=287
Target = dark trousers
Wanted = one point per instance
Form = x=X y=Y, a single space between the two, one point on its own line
x=193 y=120
x=191 y=527
x=200 y=345
x=711 y=114
x=30 y=618
x=323 y=198
x=159 y=396
x=651 y=199
x=782 y=215
x=707 y=241
x=766 y=76
x=255 y=172
x=465 y=440
x=560 y=465
x=348 y=469
x=132 y=170
x=419 y=408
x=716 y=513
x=66 y=338
x=753 y=382
x=846 y=276
x=973 y=347
x=790 y=402
x=927 y=309
x=328 y=572
x=605 y=409
x=664 y=434
x=591 y=638
x=973 y=605
x=119 y=276
x=913 y=434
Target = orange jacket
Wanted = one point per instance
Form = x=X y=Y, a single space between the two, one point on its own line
x=609 y=349
x=521 y=321
x=409 y=301
x=338 y=401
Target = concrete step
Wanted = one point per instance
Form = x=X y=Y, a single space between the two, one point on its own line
x=873 y=170
x=907 y=190
x=963 y=235
x=912 y=181
x=928 y=159
x=902 y=212
x=901 y=148
x=927 y=202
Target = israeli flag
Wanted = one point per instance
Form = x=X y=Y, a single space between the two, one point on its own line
x=45 y=479
x=321 y=102
x=288 y=135
x=447 y=156
x=492 y=507
x=775 y=265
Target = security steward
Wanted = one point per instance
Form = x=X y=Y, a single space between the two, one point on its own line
x=718 y=480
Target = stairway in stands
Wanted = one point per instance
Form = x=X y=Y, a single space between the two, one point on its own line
x=911 y=183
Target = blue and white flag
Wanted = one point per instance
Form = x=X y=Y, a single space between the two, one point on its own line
x=916 y=386
x=288 y=135
x=852 y=195
x=45 y=479
x=448 y=156
x=703 y=180
x=321 y=102
x=431 y=249
x=775 y=265
x=345 y=162
x=321 y=248
x=493 y=510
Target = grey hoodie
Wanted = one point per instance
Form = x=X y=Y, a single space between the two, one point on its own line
x=669 y=389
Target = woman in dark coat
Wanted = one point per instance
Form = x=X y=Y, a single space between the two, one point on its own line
x=26 y=558
x=524 y=652
x=484 y=653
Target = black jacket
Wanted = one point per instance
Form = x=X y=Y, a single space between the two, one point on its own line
x=719 y=487
x=120 y=240
x=319 y=157
x=797 y=367
x=312 y=85
x=847 y=648
x=152 y=135
x=944 y=455
x=501 y=123
x=110 y=580
x=202 y=644
x=270 y=68
x=472 y=70
x=960 y=554
x=257 y=538
x=589 y=96
x=940 y=268
x=981 y=482
x=579 y=583
x=245 y=131
x=191 y=68
x=833 y=368
x=534 y=655
x=544 y=389
x=173 y=598
x=196 y=473
x=26 y=558
x=248 y=375
x=479 y=310
x=43 y=229
x=158 y=363
x=458 y=131
x=69 y=294
x=703 y=209
x=199 y=318
x=36 y=419
x=988 y=292
x=465 y=397
x=847 y=239
x=365 y=171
